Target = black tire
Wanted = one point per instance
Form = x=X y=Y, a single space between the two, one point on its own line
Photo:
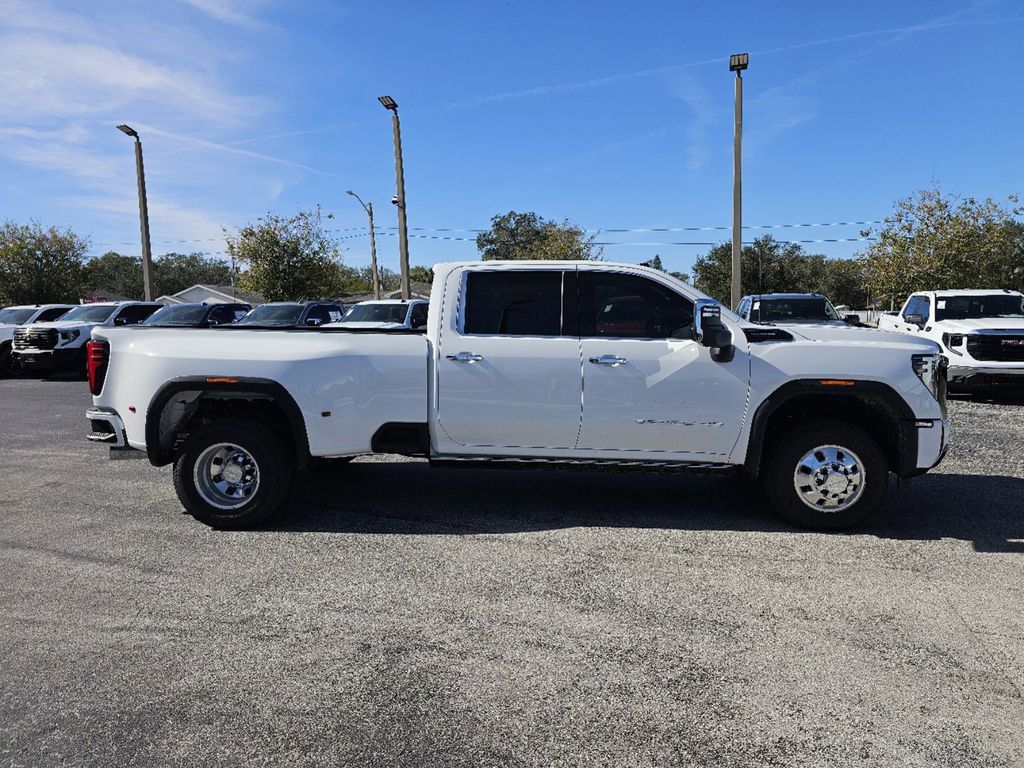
x=264 y=447
x=10 y=366
x=785 y=457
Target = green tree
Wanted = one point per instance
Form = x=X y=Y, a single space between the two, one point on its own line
x=174 y=272
x=115 y=272
x=39 y=266
x=421 y=275
x=529 y=236
x=771 y=266
x=288 y=258
x=932 y=241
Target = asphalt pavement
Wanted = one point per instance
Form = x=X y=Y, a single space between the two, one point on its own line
x=416 y=617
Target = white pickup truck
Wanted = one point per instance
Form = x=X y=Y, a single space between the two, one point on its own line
x=529 y=362
x=981 y=332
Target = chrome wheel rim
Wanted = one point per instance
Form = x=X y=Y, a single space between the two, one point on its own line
x=226 y=476
x=829 y=478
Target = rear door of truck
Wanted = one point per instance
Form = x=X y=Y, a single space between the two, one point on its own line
x=508 y=364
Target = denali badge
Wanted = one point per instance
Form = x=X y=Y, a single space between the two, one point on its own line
x=1012 y=342
x=680 y=422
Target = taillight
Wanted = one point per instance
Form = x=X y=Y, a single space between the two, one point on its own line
x=97 y=355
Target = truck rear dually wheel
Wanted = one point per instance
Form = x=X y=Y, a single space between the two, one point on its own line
x=825 y=474
x=233 y=474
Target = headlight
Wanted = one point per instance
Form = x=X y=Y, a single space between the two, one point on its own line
x=951 y=340
x=69 y=336
x=931 y=369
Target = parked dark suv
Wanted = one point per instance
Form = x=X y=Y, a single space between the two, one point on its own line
x=294 y=314
x=197 y=315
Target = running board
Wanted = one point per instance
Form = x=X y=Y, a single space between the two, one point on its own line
x=613 y=465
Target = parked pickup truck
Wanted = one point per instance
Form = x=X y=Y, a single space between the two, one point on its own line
x=981 y=332
x=529 y=362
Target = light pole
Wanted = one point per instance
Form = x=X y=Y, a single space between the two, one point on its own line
x=737 y=63
x=368 y=207
x=147 y=256
x=403 y=232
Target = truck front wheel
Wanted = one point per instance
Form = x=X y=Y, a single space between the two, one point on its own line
x=233 y=474
x=825 y=474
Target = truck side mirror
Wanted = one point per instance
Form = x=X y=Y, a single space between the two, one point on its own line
x=312 y=322
x=852 y=319
x=121 y=320
x=917 y=320
x=711 y=332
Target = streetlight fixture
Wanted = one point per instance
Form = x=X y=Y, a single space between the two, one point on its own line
x=737 y=63
x=368 y=207
x=403 y=233
x=147 y=256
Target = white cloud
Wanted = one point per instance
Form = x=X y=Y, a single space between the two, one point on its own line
x=47 y=79
x=70 y=76
x=687 y=88
x=230 y=12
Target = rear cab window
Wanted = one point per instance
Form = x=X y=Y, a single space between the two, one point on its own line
x=513 y=303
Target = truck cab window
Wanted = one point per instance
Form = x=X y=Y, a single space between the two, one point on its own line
x=136 y=313
x=514 y=303
x=619 y=305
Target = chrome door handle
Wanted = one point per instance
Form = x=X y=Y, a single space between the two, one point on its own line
x=612 y=360
x=465 y=357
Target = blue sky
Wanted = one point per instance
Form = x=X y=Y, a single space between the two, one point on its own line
x=613 y=115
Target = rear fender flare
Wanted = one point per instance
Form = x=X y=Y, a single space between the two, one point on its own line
x=161 y=454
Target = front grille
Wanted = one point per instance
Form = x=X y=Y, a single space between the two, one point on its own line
x=35 y=338
x=1003 y=347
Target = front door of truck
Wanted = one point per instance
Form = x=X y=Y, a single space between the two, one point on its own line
x=648 y=387
x=508 y=368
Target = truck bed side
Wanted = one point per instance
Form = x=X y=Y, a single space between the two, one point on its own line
x=346 y=385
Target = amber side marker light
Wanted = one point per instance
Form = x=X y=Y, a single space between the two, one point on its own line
x=837 y=382
x=221 y=380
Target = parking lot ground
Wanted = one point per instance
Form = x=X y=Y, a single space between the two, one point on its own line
x=409 y=616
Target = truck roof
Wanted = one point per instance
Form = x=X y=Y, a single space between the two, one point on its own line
x=974 y=292
x=785 y=296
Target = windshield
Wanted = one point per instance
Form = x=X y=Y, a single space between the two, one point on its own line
x=89 y=313
x=376 y=313
x=15 y=316
x=971 y=307
x=273 y=314
x=792 y=310
x=177 y=315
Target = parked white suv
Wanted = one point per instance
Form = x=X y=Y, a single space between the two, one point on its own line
x=60 y=344
x=981 y=332
x=387 y=314
x=12 y=317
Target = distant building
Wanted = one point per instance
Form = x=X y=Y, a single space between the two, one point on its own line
x=101 y=295
x=212 y=294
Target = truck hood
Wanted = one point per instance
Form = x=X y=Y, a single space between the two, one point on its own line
x=982 y=324
x=65 y=326
x=848 y=334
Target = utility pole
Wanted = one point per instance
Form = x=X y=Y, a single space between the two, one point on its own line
x=368 y=207
x=403 y=231
x=737 y=63
x=147 y=256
